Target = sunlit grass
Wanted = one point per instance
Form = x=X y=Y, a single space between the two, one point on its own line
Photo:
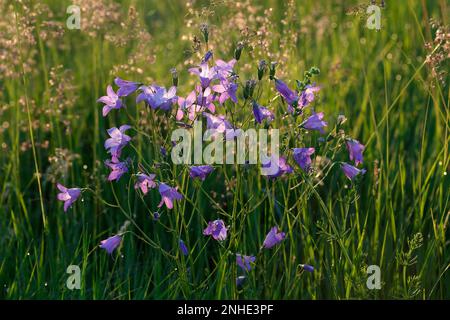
x=396 y=217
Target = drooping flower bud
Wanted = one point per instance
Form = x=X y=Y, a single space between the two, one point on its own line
x=307 y=267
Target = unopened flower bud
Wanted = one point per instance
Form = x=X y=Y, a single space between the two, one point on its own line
x=238 y=50
x=174 y=73
x=207 y=56
x=204 y=29
x=314 y=70
x=261 y=68
x=249 y=88
x=273 y=66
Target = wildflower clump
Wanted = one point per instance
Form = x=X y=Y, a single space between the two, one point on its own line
x=230 y=105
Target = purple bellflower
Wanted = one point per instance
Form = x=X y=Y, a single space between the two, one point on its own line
x=126 y=87
x=169 y=195
x=200 y=172
x=111 y=243
x=308 y=95
x=294 y=98
x=216 y=229
x=350 y=171
x=225 y=69
x=226 y=90
x=221 y=126
x=145 y=182
x=158 y=97
x=184 y=104
x=262 y=113
x=274 y=237
x=315 y=122
x=275 y=167
x=289 y=95
x=117 y=167
x=68 y=195
x=118 y=140
x=197 y=101
x=205 y=73
x=245 y=261
x=111 y=101
x=303 y=157
x=205 y=99
x=355 y=149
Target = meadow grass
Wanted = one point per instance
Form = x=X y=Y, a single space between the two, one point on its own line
x=396 y=217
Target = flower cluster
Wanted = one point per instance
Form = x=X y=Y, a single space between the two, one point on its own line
x=217 y=88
